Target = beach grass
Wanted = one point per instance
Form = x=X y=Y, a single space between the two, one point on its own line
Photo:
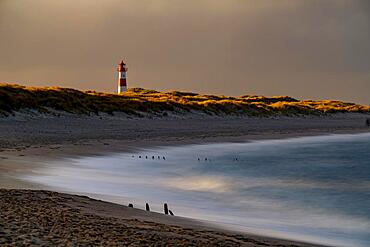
x=138 y=102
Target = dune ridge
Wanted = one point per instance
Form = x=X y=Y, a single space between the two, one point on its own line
x=140 y=102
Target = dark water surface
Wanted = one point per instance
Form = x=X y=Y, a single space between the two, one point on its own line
x=312 y=188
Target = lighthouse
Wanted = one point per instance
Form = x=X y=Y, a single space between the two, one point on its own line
x=122 y=83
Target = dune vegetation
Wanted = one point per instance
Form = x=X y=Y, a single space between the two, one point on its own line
x=141 y=102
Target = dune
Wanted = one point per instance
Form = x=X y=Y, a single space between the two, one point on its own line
x=141 y=102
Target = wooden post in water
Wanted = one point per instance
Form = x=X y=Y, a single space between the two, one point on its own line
x=171 y=213
x=130 y=205
x=147 y=208
x=165 y=207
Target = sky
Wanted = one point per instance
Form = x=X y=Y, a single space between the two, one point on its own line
x=307 y=49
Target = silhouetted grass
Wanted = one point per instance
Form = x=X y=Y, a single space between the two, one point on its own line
x=139 y=101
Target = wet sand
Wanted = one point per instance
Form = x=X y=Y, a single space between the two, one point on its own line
x=59 y=219
x=44 y=218
x=105 y=133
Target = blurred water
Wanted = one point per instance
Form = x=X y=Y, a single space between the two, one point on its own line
x=312 y=188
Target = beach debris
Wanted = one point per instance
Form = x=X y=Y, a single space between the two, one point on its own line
x=147 y=208
x=171 y=213
x=130 y=205
x=165 y=207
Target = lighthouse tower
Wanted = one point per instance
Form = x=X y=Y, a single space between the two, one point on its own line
x=122 y=83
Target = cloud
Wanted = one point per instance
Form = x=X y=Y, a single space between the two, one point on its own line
x=302 y=48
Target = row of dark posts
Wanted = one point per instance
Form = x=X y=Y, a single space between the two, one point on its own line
x=147 y=208
x=148 y=157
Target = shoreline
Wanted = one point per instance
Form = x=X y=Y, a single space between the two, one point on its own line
x=23 y=157
x=73 y=136
x=64 y=219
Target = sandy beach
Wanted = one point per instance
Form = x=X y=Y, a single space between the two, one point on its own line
x=24 y=132
x=44 y=218
x=52 y=218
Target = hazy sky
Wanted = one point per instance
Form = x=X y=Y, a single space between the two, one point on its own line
x=308 y=49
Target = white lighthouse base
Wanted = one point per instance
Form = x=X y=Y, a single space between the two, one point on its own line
x=122 y=89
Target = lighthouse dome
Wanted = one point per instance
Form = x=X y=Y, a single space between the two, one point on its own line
x=122 y=66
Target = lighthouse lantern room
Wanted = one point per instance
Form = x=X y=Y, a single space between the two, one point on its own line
x=122 y=82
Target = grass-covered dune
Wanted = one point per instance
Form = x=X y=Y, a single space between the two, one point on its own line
x=139 y=102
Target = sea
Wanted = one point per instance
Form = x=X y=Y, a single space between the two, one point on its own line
x=314 y=189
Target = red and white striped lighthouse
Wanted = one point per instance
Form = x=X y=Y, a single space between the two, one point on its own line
x=122 y=83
